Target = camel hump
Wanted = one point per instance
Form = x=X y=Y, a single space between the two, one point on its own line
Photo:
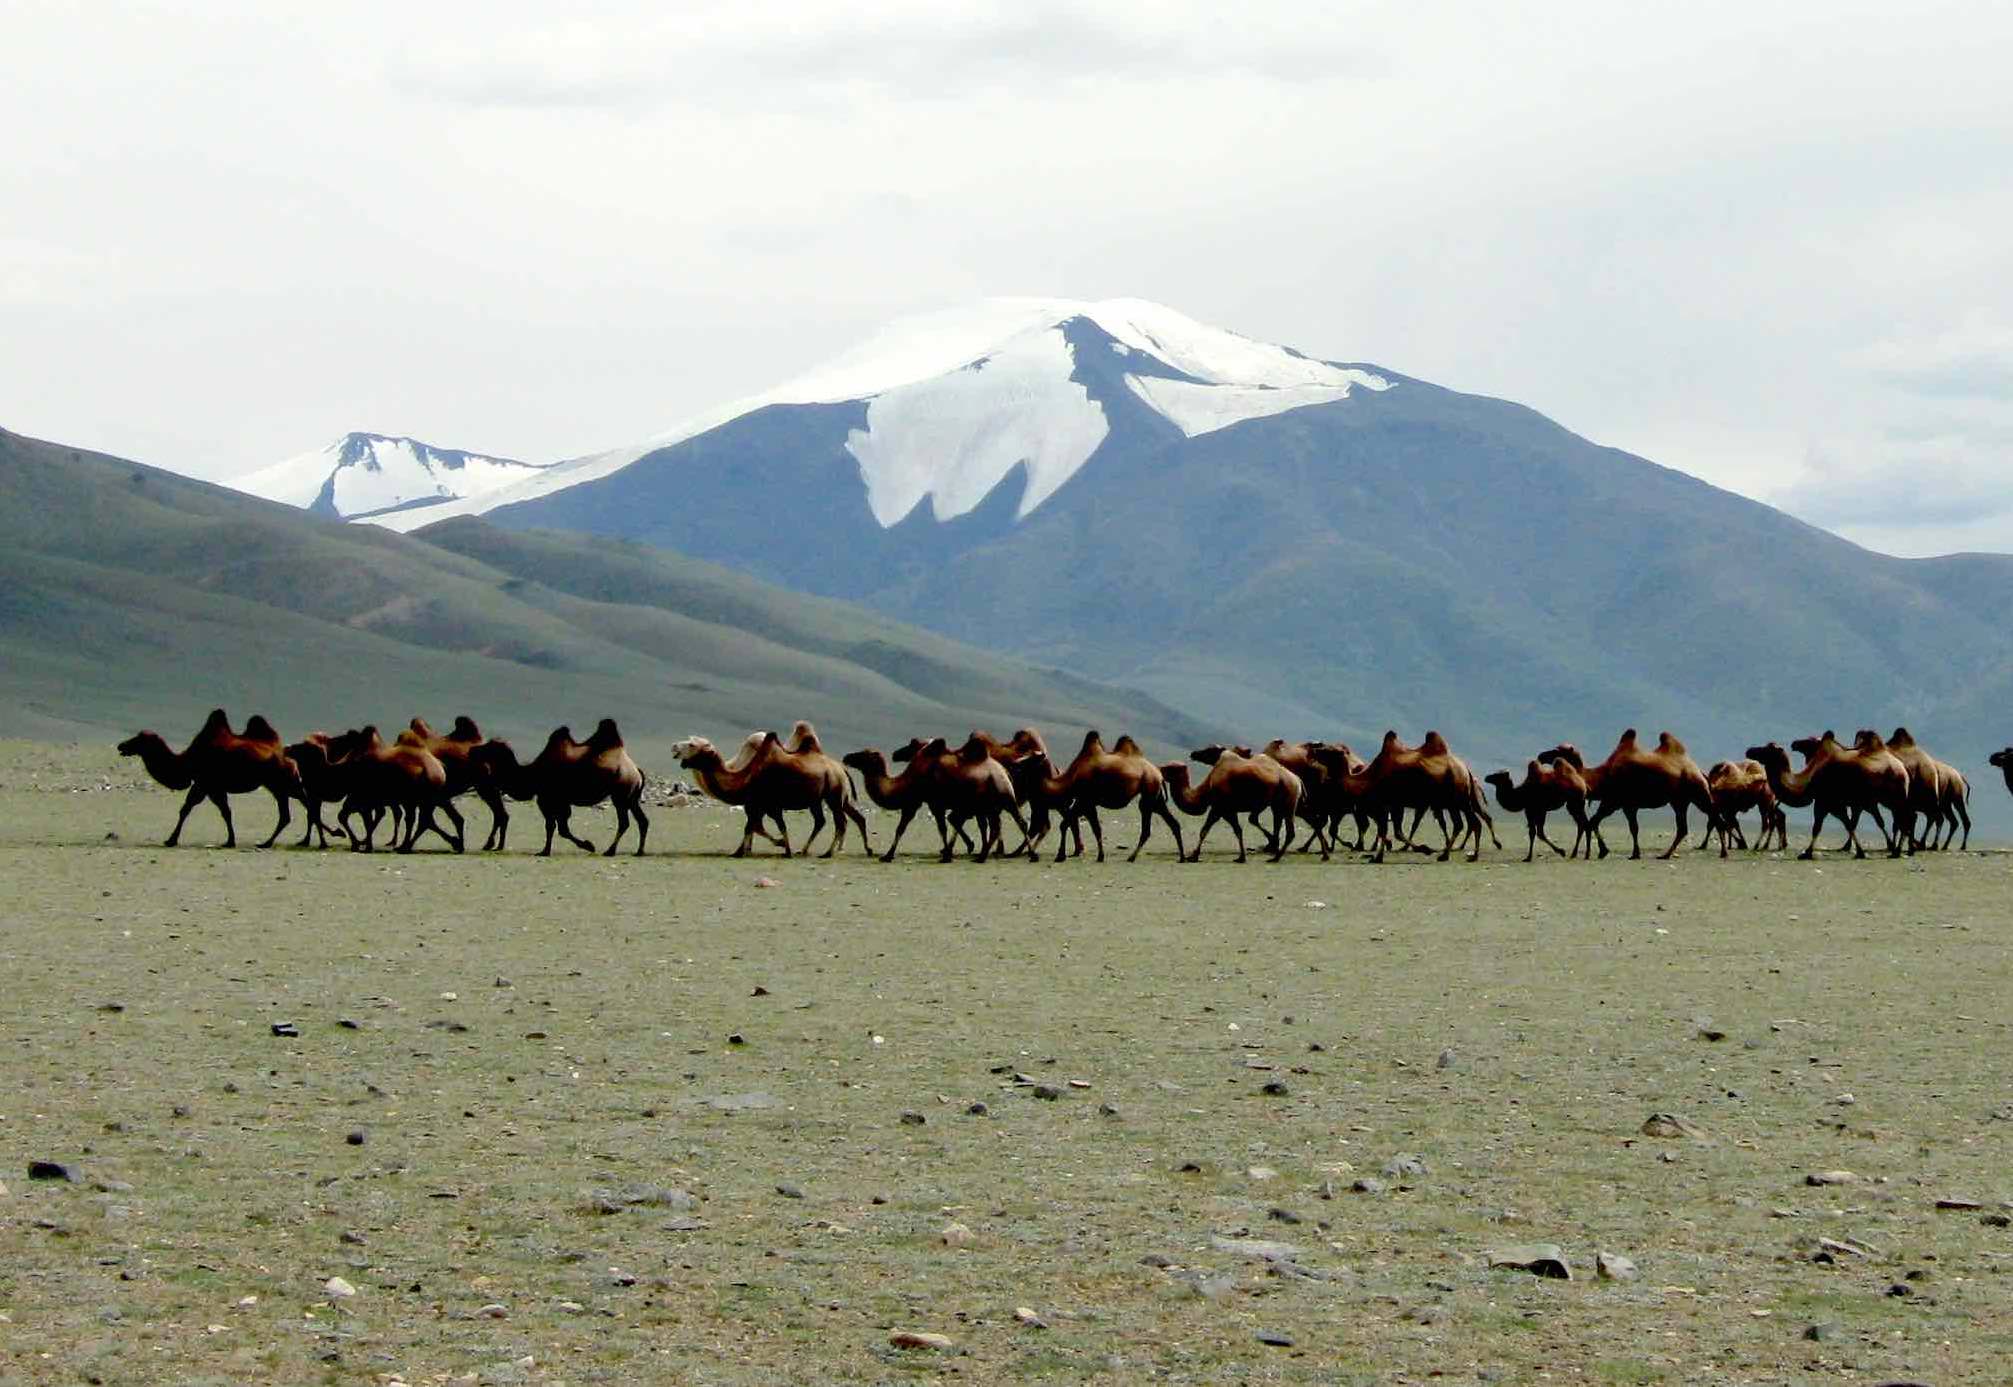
x=804 y=737
x=935 y=746
x=974 y=750
x=1902 y=737
x=465 y=730
x=562 y=736
x=1532 y=770
x=1667 y=743
x=606 y=736
x=420 y=727
x=1125 y=746
x=1434 y=745
x=1627 y=741
x=412 y=737
x=257 y=729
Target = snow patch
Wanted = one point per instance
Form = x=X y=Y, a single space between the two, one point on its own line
x=954 y=437
x=1200 y=409
x=371 y=472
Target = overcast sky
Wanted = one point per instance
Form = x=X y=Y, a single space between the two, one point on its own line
x=1770 y=244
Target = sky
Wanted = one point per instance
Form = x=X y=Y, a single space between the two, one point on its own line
x=1767 y=244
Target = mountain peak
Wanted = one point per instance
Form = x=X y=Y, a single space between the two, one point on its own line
x=364 y=475
x=956 y=399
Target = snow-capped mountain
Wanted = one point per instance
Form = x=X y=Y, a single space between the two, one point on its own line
x=956 y=400
x=369 y=475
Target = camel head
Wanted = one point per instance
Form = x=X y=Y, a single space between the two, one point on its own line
x=867 y=760
x=2001 y=759
x=1209 y=755
x=909 y=750
x=1771 y=757
x=140 y=743
x=693 y=749
x=1567 y=752
x=1502 y=781
x=1807 y=747
x=1175 y=773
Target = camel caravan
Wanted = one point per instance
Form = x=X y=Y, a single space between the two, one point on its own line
x=1288 y=796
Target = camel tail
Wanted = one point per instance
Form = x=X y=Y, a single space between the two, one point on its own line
x=853 y=784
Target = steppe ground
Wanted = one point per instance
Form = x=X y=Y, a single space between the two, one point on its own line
x=519 y=1044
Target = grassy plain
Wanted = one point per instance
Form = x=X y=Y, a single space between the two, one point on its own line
x=531 y=1036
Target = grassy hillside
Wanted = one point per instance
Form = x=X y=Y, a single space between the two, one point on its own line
x=130 y=596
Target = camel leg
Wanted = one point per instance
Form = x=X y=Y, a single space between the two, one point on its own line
x=1635 y=833
x=621 y=827
x=852 y=811
x=1237 y=832
x=1096 y=831
x=1818 y=813
x=1285 y=821
x=1488 y=822
x=560 y=816
x=499 y=819
x=1069 y=822
x=901 y=827
x=1964 y=813
x=280 y=797
x=817 y=826
x=223 y=803
x=1020 y=823
x=642 y=824
x=1173 y=826
x=459 y=842
x=1683 y=832
x=194 y=798
x=1208 y=822
x=551 y=822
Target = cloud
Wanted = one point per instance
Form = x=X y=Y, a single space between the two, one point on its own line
x=920 y=51
x=1973 y=358
x=1898 y=482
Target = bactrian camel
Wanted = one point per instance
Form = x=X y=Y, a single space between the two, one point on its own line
x=1100 y=779
x=1237 y=785
x=220 y=763
x=774 y=780
x=1543 y=789
x=1837 y=782
x=1633 y=779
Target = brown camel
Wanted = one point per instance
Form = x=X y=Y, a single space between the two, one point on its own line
x=1738 y=786
x=569 y=775
x=1100 y=779
x=1952 y=809
x=1545 y=788
x=773 y=780
x=310 y=756
x=466 y=772
x=1237 y=785
x=1033 y=770
x=1925 y=778
x=965 y=784
x=1314 y=774
x=1325 y=799
x=1632 y=780
x=1956 y=806
x=376 y=778
x=1424 y=779
x=901 y=793
x=1839 y=782
x=2004 y=761
x=220 y=763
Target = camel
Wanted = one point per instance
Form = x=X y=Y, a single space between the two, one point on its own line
x=1100 y=779
x=569 y=775
x=1325 y=800
x=771 y=779
x=1545 y=788
x=220 y=763
x=1956 y=805
x=897 y=793
x=1237 y=785
x=1952 y=806
x=1314 y=815
x=1837 y=781
x=966 y=784
x=406 y=780
x=1632 y=780
x=1738 y=786
x=1427 y=778
x=310 y=756
x=465 y=772
x=2004 y=761
x=1925 y=778
x=1032 y=770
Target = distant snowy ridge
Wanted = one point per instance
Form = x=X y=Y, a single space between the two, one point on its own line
x=367 y=475
x=956 y=399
